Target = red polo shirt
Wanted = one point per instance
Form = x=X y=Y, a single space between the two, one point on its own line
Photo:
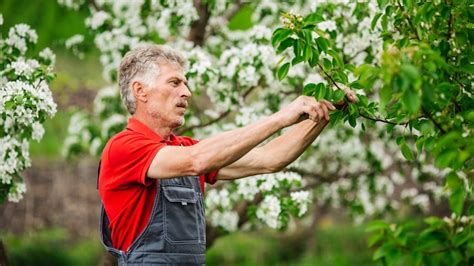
x=127 y=194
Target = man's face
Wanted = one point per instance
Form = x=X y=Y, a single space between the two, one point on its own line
x=168 y=96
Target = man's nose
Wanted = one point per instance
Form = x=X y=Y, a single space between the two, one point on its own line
x=186 y=93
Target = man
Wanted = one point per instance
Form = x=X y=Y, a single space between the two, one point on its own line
x=151 y=182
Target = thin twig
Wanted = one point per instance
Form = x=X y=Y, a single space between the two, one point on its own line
x=410 y=23
x=425 y=112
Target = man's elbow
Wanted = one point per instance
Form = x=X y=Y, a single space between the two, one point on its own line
x=275 y=168
x=199 y=165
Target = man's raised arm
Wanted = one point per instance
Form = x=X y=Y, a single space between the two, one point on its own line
x=223 y=149
x=281 y=151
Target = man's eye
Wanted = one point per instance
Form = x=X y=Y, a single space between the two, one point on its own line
x=175 y=82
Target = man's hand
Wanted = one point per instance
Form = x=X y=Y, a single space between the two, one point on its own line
x=305 y=105
x=349 y=94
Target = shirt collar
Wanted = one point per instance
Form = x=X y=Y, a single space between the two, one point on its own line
x=137 y=126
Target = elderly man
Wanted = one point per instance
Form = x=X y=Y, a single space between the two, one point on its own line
x=151 y=182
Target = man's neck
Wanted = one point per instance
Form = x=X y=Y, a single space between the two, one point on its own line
x=156 y=126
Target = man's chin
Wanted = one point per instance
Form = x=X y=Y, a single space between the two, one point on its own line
x=179 y=122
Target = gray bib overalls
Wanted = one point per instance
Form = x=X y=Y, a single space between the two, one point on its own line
x=176 y=231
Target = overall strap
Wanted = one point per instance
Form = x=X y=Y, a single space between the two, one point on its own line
x=98 y=173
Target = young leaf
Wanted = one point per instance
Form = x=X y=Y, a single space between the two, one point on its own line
x=283 y=71
x=320 y=91
x=309 y=89
x=411 y=101
x=456 y=201
x=406 y=152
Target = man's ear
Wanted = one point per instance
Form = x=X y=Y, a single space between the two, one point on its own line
x=139 y=91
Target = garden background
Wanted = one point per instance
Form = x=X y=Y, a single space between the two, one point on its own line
x=416 y=163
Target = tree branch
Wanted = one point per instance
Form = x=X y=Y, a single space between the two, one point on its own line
x=425 y=112
x=198 y=28
x=410 y=23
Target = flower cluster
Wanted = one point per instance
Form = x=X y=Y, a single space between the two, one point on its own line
x=25 y=102
x=272 y=189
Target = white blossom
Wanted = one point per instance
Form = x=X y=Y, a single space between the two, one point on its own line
x=48 y=56
x=16 y=192
x=74 y=40
x=303 y=199
x=269 y=211
x=38 y=131
x=97 y=19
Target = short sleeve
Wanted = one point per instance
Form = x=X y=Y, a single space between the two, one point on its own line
x=211 y=178
x=129 y=158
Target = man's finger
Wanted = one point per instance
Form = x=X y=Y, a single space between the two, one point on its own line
x=325 y=111
x=319 y=110
x=329 y=105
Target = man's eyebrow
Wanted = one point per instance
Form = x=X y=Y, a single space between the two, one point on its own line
x=185 y=81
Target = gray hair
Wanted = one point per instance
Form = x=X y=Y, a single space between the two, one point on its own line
x=143 y=64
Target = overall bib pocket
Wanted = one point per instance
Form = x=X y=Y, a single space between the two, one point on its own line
x=181 y=218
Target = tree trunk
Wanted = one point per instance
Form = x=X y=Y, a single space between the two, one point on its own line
x=3 y=254
x=197 y=33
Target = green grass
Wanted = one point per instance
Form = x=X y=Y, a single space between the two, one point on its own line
x=336 y=245
x=51 y=247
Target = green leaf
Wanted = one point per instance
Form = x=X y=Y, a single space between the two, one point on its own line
x=297 y=60
x=373 y=239
x=297 y=46
x=285 y=44
x=417 y=257
x=467 y=68
x=279 y=35
x=326 y=64
x=385 y=95
x=314 y=18
x=434 y=222
x=322 y=44
x=376 y=225
x=410 y=71
x=461 y=238
x=309 y=89
x=320 y=91
x=307 y=53
x=335 y=117
x=283 y=71
x=456 y=201
x=338 y=95
x=336 y=57
x=406 y=152
x=470 y=211
x=445 y=158
x=374 y=20
x=454 y=182
x=411 y=101
x=382 y=3
x=352 y=120
x=9 y=104
x=380 y=253
x=314 y=59
x=419 y=144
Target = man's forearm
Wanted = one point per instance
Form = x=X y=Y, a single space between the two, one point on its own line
x=286 y=148
x=225 y=148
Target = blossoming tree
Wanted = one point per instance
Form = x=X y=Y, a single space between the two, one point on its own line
x=406 y=146
x=25 y=103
